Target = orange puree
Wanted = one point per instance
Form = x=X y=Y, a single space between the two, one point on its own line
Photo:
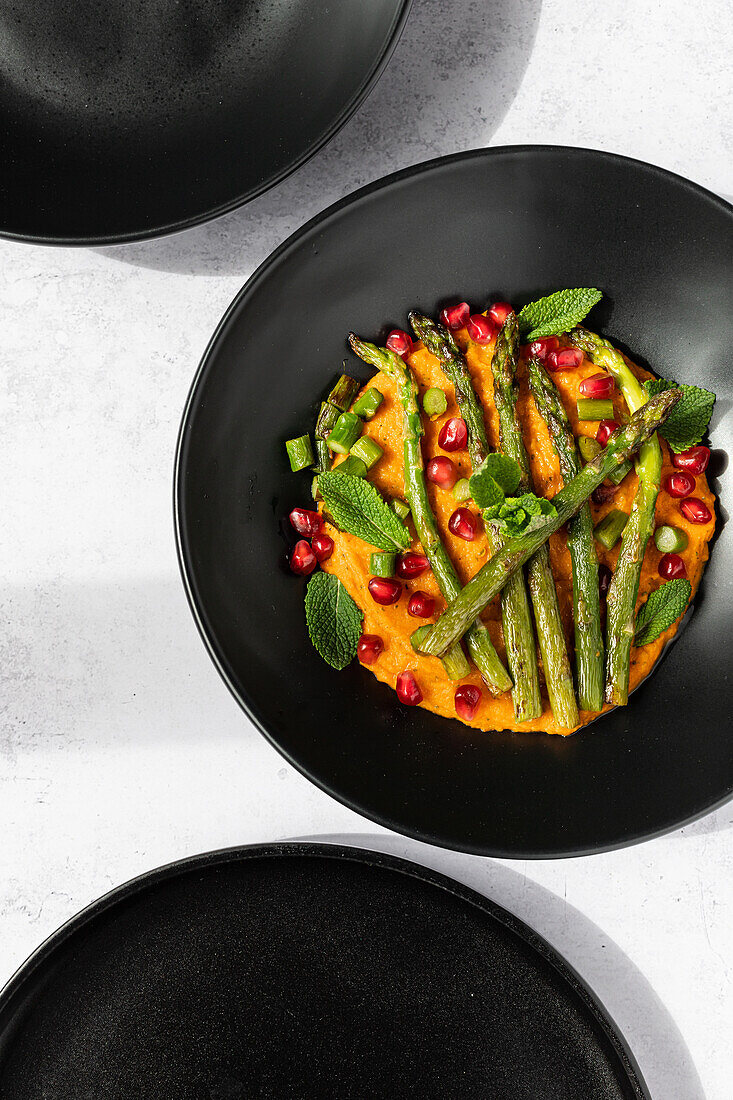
x=350 y=559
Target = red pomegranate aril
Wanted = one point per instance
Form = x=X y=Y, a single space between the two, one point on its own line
x=696 y=510
x=551 y=361
x=411 y=565
x=604 y=580
x=384 y=590
x=455 y=317
x=463 y=524
x=306 y=522
x=302 y=559
x=369 y=648
x=679 y=485
x=480 y=329
x=322 y=546
x=408 y=689
x=499 y=313
x=606 y=428
x=453 y=435
x=467 y=699
x=540 y=349
x=694 y=460
x=399 y=342
x=442 y=472
x=597 y=385
x=421 y=605
x=568 y=358
x=671 y=566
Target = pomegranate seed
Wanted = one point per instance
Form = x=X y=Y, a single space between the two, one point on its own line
x=412 y=565
x=463 y=524
x=604 y=580
x=540 y=349
x=322 y=546
x=442 y=472
x=551 y=361
x=694 y=460
x=606 y=428
x=679 y=485
x=399 y=342
x=384 y=590
x=454 y=317
x=499 y=313
x=453 y=435
x=481 y=329
x=671 y=566
x=467 y=699
x=408 y=689
x=598 y=385
x=696 y=510
x=306 y=522
x=368 y=648
x=302 y=559
x=568 y=358
x=603 y=494
x=421 y=605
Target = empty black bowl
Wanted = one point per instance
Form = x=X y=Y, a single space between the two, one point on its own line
x=123 y=120
x=505 y=223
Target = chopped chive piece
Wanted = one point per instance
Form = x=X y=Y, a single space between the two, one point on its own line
x=382 y=565
x=344 y=392
x=588 y=447
x=323 y=457
x=300 y=453
x=314 y=489
x=434 y=402
x=610 y=528
x=462 y=490
x=326 y=422
x=670 y=540
x=454 y=661
x=595 y=408
x=345 y=433
x=617 y=476
x=353 y=466
x=400 y=507
x=368 y=450
x=366 y=405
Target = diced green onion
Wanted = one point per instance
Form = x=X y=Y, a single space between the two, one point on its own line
x=344 y=392
x=462 y=490
x=454 y=661
x=314 y=489
x=326 y=422
x=434 y=402
x=368 y=450
x=588 y=447
x=400 y=507
x=595 y=408
x=610 y=528
x=382 y=565
x=617 y=476
x=366 y=405
x=345 y=433
x=352 y=465
x=323 y=456
x=300 y=453
x=670 y=540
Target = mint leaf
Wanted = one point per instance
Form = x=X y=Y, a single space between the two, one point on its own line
x=518 y=514
x=357 y=507
x=688 y=420
x=486 y=492
x=661 y=609
x=334 y=620
x=557 y=312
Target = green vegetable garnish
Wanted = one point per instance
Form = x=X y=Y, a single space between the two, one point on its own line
x=357 y=507
x=368 y=450
x=300 y=453
x=557 y=312
x=382 y=565
x=345 y=433
x=334 y=620
x=661 y=610
x=434 y=402
x=688 y=421
x=367 y=405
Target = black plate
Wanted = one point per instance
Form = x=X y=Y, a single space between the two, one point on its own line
x=303 y=971
x=131 y=118
x=512 y=223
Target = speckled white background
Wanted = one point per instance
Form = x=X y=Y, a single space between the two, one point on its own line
x=120 y=749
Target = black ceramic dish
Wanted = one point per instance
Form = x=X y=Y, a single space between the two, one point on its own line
x=127 y=120
x=296 y=970
x=511 y=223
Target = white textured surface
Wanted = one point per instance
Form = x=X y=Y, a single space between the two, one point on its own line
x=120 y=748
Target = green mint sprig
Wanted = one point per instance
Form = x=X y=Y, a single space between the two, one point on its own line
x=557 y=312
x=497 y=476
x=518 y=514
x=688 y=420
x=357 y=507
x=334 y=620
x=662 y=608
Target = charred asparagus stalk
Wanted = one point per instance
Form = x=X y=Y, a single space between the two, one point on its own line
x=492 y=577
x=478 y=641
x=516 y=618
x=586 y=599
